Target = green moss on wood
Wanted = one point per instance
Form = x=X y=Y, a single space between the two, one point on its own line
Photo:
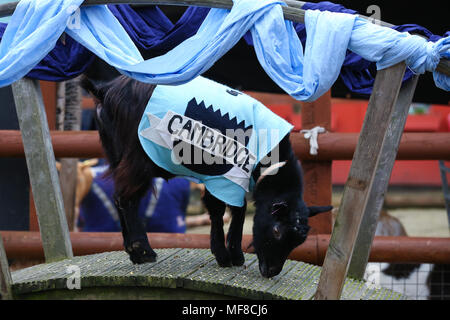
x=178 y=273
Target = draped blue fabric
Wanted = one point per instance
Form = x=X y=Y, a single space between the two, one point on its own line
x=148 y=27
x=278 y=48
x=357 y=73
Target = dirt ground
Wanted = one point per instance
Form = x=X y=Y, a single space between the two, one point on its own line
x=418 y=221
x=423 y=222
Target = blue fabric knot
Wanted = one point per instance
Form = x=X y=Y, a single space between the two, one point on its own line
x=387 y=47
x=441 y=49
x=433 y=56
x=427 y=58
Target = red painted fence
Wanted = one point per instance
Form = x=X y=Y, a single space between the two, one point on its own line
x=347 y=116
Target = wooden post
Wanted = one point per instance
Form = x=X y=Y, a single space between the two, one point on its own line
x=375 y=202
x=445 y=189
x=317 y=174
x=60 y=105
x=42 y=169
x=5 y=276
x=48 y=89
x=71 y=121
x=360 y=181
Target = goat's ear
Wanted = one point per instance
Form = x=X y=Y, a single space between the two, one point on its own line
x=313 y=210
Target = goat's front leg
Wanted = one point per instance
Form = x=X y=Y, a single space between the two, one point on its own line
x=216 y=210
x=134 y=236
x=234 y=236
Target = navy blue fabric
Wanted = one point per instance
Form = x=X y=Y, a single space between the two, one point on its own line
x=152 y=31
x=154 y=34
x=66 y=61
x=168 y=216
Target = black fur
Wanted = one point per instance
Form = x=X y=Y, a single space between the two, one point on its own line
x=438 y=282
x=281 y=219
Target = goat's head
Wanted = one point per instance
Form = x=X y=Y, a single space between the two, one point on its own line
x=281 y=218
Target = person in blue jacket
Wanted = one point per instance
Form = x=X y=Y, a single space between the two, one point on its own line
x=163 y=209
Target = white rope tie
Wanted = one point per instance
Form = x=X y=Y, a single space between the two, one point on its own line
x=311 y=135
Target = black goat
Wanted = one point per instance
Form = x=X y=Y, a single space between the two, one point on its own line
x=281 y=219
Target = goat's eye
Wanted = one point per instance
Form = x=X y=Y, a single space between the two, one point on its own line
x=276 y=232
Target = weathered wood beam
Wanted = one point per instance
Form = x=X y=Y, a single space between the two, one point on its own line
x=177 y=270
x=361 y=181
x=42 y=169
x=375 y=202
x=5 y=276
x=290 y=13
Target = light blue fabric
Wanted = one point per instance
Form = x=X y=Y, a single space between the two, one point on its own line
x=217 y=107
x=305 y=76
x=32 y=32
x=219 y=32
x=36 y=25
x=388 y=47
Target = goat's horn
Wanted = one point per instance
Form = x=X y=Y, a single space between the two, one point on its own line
x=270 y=170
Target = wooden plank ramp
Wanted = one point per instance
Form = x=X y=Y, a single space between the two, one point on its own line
x=178 y=274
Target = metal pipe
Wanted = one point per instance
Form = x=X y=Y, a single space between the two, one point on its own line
x=332 y=146
x=341 y=146
x=28 y=245
x=71 y=144
x=291 y=12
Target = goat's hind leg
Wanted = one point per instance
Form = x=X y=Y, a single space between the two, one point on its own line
x=133 y=230
x=216 y=210
x=234 y=236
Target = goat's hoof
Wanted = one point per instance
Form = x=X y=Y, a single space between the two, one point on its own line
x=141 y=252
x=237 y=258
x=223 y=258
